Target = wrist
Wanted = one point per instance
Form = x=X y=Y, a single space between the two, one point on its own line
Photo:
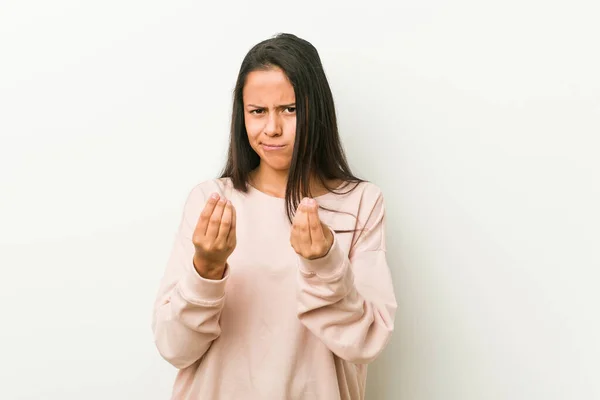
x=209 y=270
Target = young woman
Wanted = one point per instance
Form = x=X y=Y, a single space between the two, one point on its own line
x=277 y=286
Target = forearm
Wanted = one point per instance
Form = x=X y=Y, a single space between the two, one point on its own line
x=185 y=325
x=355 y=325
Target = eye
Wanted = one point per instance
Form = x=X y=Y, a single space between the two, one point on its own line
x=290 y=110
x=257 y=111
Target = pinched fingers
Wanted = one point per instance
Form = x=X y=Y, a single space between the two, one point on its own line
x=314 y=222
x=204 y=218
x=300 y=235
x=214 y=223
x=231 y=238
x=226 y=222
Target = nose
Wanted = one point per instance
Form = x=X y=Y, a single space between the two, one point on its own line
x=272 y=127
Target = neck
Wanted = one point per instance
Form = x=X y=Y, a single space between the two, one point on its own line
x=274 y=182
x=270 y=181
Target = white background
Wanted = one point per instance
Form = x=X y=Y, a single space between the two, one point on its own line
x=478 y=119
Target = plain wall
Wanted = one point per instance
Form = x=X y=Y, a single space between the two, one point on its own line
x=479 y=120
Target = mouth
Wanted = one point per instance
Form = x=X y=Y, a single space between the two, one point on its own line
x=272 y=146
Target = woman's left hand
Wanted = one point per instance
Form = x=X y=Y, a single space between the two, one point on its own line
x=310 y=238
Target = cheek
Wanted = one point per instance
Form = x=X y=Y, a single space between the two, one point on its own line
x=290 y=128
x=253 y=128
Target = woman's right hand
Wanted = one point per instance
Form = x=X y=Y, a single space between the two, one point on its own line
x=214 y=237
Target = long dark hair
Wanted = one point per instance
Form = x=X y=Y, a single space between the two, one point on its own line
x=318 y=151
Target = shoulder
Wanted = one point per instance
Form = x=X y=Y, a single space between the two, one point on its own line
x=199 y=194
x=371 y=208
x=362 y=202
x=203 y=190
x=366 y=202
x=369 y=190
x=366 y=195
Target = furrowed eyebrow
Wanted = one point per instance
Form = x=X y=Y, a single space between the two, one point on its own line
x=281 y=106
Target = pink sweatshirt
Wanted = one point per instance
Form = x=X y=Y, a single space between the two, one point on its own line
x=278 y=326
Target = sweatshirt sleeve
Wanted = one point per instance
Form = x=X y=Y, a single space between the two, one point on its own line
x=348 y=302
x=188 y=307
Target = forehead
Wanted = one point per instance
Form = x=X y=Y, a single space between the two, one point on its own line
x=268 y=86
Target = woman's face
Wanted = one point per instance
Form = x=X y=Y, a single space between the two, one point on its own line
x=270 y=117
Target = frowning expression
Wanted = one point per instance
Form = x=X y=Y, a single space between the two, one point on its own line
x=270 y=117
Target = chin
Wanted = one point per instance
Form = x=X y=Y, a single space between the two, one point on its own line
x=279 y=167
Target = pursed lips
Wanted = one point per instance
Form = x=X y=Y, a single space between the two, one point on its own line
x=272 y=146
